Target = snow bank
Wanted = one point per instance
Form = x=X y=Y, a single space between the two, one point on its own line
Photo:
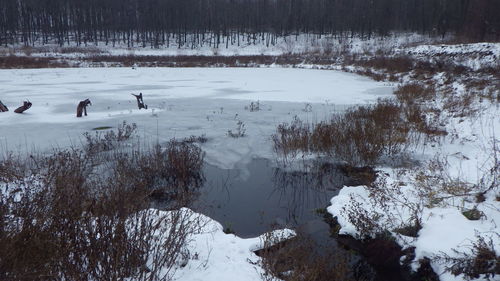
x=475 y=56
x=444 y=230
x=217 y=256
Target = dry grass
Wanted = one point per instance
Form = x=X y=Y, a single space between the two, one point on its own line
x=413 y=93
x=99 y=59
x=291 y=138
x=75 y=215
x=297 y=260
x=483 y=261
x=108 y=140
x=10 y=62
x=389 y=64
x=239 y=132
x=361 y=136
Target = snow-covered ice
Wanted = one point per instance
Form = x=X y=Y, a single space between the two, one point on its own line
x=182 y=102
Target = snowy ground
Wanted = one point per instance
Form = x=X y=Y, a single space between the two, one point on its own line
x=441 y=193
x=196 y=101
x=215 y=256
x=182 y=102
x=474 y=56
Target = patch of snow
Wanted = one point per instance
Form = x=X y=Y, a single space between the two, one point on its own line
x=221 y=256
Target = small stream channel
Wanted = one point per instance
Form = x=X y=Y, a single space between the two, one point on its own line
x=261 y=197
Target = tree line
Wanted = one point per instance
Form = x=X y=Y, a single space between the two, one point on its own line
x=184 y=22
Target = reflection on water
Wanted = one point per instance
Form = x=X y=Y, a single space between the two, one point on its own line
x=251 y=201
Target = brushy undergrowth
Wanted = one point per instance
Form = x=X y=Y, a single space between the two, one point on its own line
x=368 y=134
x=76 y=215
x=299 y=259
x=481 y=261
x=108 y=140
x=361 y=136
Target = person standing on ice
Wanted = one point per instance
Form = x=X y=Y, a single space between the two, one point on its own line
x=140 y=101
x=82 y=107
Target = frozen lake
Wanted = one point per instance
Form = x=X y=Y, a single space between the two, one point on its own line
x=182 y=102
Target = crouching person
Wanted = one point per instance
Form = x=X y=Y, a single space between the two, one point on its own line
x=3 y=107
x=26 y=105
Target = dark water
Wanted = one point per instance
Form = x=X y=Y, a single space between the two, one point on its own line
x=251 y=201
x=260 y=198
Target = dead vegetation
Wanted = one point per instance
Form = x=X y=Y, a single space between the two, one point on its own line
x=74 y=215
x=298 y=259
x=361 y=136
x=239 y=132
x=11 y=62
x=482 y=261
x=108 y=140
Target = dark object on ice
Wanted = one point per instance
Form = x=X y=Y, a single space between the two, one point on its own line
x=26 y=105
x=3 y=107
x=82 y=107
x=140 y=101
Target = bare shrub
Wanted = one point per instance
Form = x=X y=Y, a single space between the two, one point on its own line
x=72 y=235
x=481 y=261
x=99 y=141
x=388 y=207
x=296 y=260
x=88 y=50
x=363 y=135
x=412 y=93
x=69 y=218
x=374 y=75
x=239 y=132
x=435 y=184
x=291 y=138
x=461 y=105
x=27 y=50
x=253 y=107
x=125 y=131
x=12 y=61
x=11 y=168
x=170 y=172
x=194 y=139
x=367 y=222
x=389 y=63
x=307 y=107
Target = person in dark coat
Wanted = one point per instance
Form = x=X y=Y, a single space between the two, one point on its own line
x=82 y=107
x=26 y=105
x=140 y=101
